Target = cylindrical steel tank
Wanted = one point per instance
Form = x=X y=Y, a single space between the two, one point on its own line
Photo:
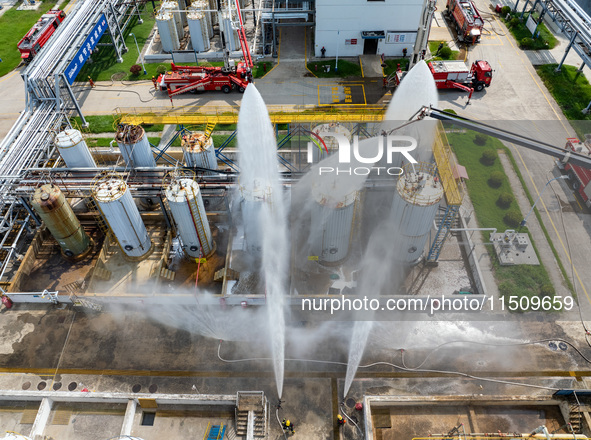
x=134 y=146
x=53 y=208
x=74 y=150
x=186 y=205
x=415 y=204
x=172 y=6
x=332 y=223
x=198 y=31
x=121 y=214
x=167 y=30
x=252 y=205
x=331 y=143
x=204 y=8
x=213 y=6
x=230 y=34
x=183 y=8
x=198 y=151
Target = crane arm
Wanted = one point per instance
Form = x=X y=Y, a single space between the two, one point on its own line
x=543 y=147
x=242 y=38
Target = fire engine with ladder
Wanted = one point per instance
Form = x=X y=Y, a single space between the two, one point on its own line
x=38 y=35
x=183 y=79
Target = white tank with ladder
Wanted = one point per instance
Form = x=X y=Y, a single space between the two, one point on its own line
x=122 y=216
x=186 y=204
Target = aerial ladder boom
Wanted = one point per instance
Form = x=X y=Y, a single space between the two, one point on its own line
x=543 y=147
x=242 y=38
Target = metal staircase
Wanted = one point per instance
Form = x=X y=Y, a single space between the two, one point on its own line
x=575 y=417
x=209 y=130
x=447 y=222
x=251 y=407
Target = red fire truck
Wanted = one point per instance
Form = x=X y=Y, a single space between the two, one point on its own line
x=182 y=79
x=579 y=176
x=466 y=19
x=38 y=35
x=453 y=75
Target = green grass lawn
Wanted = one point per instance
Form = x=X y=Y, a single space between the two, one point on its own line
x=104 y=62
x=107 y=124
x=571 y=92
x=345 y=68
x=261 y=68
x=513 y=280
x=546 y=40
x=392 y=65
x=450 y=55
x=13 y=26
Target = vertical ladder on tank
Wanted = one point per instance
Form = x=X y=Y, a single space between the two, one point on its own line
x=448 y=220
x=209 y=130
x=100 y=222
x=194 y=208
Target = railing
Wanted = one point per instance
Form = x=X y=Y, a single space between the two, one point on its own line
x=446 y=163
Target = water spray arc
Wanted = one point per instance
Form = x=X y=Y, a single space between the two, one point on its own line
x=264 y=214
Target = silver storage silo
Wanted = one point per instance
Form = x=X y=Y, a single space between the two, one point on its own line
x=332 y=145
x=74 y=150
x=172 y=7
x=183 y=8
x=57 y=214
x=204 y=8
x=122 y=216
x=415 y=204
x=252 y=205
x=199 y=151
x=186 y=205
x=134 y=145
x=230 y=34
x=167 y=30
x=213 y=6
x=332 y=223
x=198 y=31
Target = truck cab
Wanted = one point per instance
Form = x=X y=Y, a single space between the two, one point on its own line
x=481 y=74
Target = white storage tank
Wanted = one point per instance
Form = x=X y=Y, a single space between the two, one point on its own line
x=198 y=31
x=252 y=205
x=186 y=205
x=331 y=143
x=121 y=214
x=199 y=151
x=168 y=31
x=134 y=145
x=74 y=150
x=172 y=7
x=415 y=204
x=230 y=34
x=183 y=8
x=213 y=6
x=332 y=223
x=204 y=8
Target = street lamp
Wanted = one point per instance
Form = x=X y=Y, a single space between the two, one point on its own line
x=138 y=51
x=524 y=221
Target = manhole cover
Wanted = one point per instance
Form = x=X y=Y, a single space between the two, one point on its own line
x=136 y=388
x=41 y=386
x=57 y=386
x=350 y=402
x=153 y=388
x=118 y=76
x=26 y=385
x=72 y=386
x=562 y=346
x=552 y=346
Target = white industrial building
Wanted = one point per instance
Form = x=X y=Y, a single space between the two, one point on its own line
x=360 y=27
